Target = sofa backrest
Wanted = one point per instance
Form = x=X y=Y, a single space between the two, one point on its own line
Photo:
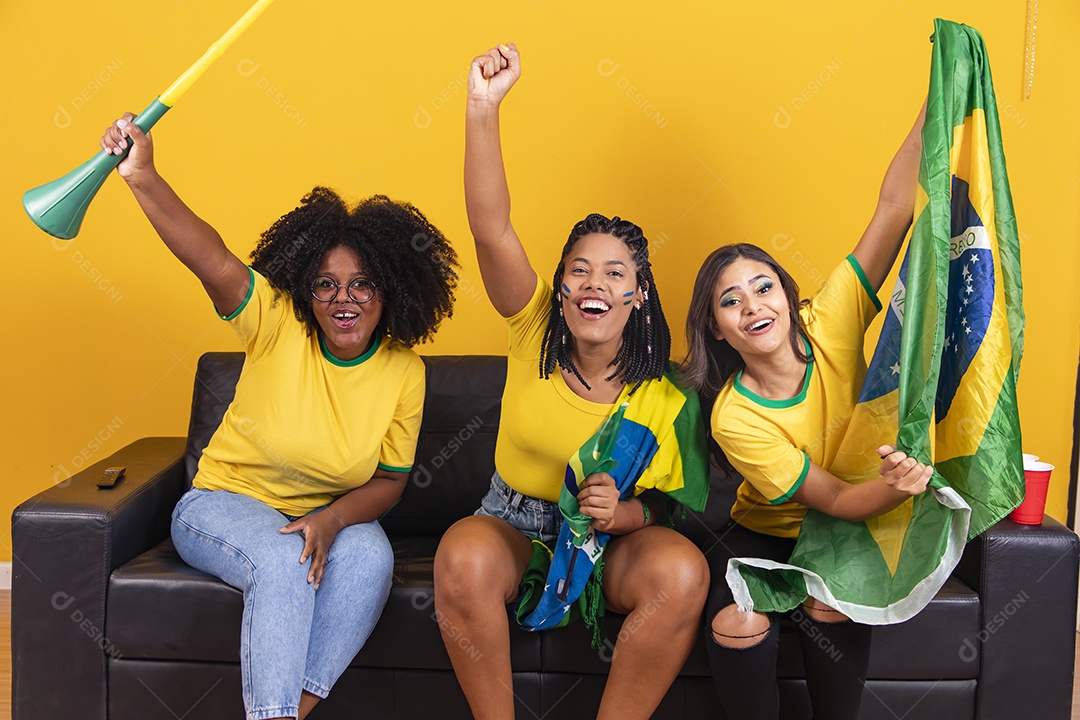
x=455 y=454
x=215 y=386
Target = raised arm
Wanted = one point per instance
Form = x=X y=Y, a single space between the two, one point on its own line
x=508 y=277
x=191 y=239
x=880 y=242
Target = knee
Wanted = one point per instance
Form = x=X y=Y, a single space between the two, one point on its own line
x=383 y=557
x=732 y=628
x=364 y=549
x=464 y=567
x=683 y=578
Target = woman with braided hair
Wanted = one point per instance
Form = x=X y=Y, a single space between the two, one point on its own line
x=320 y=438
x=643 y=353
x=588 y=355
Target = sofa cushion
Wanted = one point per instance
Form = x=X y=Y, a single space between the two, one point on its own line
x=160 y=608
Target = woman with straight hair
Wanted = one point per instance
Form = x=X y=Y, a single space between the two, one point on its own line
x=783 y=377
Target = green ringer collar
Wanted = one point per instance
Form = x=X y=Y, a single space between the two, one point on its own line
x=779 y=404
x=350 y=363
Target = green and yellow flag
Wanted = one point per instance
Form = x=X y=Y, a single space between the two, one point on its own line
x=654 y=440
x=942 y=380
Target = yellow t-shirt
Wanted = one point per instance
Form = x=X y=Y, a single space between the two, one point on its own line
x=543 y=422
x=305 y=427
x=773 y=442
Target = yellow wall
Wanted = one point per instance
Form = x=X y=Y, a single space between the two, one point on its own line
x=705 y=123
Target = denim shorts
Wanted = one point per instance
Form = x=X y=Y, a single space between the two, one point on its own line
x=531 y=516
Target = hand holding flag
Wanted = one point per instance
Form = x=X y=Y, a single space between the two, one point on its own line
x=903 y=473
x=599 y=499
x=943 y=377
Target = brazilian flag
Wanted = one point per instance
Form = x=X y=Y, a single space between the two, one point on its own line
x=654 y=440
x=942 y=380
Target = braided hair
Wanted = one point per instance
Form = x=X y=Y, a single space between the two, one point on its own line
x=646 y=339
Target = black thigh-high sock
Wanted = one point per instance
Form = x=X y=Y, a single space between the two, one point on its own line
x=836 y=656
x=746 y=677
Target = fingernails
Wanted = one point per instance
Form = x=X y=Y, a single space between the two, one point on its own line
x=504 y=48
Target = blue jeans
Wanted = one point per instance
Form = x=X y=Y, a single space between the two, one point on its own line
x=292 y=638
x=531 y=516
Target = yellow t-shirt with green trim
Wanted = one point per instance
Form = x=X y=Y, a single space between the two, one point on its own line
x=543 y=422
x=773 y=442
x=305 y=427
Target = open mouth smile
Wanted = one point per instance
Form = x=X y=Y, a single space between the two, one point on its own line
x=593 y=308
x=344 y=319
x=759 y=327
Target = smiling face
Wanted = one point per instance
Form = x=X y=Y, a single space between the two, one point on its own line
x=750 y=309
x=599 y=290
x=347 y=326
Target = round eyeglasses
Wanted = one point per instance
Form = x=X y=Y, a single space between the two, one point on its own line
x=325 y=289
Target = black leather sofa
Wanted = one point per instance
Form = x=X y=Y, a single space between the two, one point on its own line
x=107 y=621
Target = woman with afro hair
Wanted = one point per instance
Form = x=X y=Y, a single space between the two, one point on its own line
x=320 y=438
x=588 y=342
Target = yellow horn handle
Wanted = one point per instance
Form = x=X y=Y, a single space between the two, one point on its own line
x=193 y=73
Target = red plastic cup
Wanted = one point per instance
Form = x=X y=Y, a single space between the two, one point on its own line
x=1036 y=480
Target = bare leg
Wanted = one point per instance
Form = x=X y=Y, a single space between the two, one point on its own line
x=734 y=629
x=307 y=702
x=660 y=580
x=478 y=569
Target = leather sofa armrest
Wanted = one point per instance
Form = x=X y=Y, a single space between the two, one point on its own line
x=65 y=543
x=1026 y=577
